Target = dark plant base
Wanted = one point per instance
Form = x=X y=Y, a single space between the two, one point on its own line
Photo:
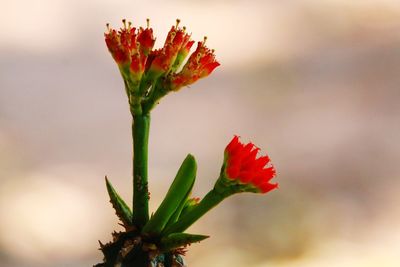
x=129 y=250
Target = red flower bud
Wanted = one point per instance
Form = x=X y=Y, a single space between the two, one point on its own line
x=146 y=40
x=119 y=52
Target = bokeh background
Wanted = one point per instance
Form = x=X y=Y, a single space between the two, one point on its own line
x=313 y=83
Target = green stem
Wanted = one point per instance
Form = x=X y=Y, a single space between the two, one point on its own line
x=155 y=95
x=140 y=134
x=212 y=199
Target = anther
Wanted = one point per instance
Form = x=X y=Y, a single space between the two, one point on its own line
x=204 y=40
x=124 y=22
x=148 y=22
x=177 y=23
x=198 y=57
x=173 y=34
x=108 y=27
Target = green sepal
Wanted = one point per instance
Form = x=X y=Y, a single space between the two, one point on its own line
x=122 y=210
x=131 y=80
x=227 y=186
x=177 y=193
x=180 y=57
x=177 y=240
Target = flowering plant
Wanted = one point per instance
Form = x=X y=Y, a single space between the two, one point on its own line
x=148 y=76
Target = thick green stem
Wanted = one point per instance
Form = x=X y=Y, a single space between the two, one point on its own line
x=212 y=199
x=140 y=134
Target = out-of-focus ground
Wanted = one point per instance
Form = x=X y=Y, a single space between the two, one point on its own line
x=316 y=84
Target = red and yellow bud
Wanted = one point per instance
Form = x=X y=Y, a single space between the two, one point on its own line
x=119 y=52
x=146 y=39
x=182 y=53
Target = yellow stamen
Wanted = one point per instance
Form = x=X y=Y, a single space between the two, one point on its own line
x=148 y=23
x=124 y=22
x=177 y=23
x=204 y=40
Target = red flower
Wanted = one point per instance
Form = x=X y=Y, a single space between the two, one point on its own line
x=243 y=166
x=130 y=47
x=200 y=64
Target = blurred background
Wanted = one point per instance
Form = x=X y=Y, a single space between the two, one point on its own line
x=315 y=84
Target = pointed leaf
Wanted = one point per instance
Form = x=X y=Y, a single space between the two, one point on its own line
x=122 y=210
x=178 y=192
x=177 y=240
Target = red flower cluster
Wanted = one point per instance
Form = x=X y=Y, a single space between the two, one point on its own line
x=133 y=47
x=243 y=165
x=130 y=46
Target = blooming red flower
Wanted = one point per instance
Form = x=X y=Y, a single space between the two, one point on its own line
x=200 y=64
x=252 y=172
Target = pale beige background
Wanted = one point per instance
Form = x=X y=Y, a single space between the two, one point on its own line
x=314 y=83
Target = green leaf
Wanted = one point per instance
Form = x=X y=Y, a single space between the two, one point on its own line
x=122 y=210
x=177 y=240
x=180 y=208
x=177 y=193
